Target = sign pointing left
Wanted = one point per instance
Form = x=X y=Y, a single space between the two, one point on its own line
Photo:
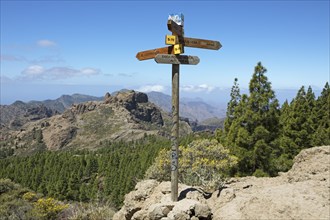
x=150 y=54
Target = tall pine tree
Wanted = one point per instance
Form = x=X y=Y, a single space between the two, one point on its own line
x=231 y=115
x=255 y=125
x=235 y=98
x=297 y=125
x=321 y=114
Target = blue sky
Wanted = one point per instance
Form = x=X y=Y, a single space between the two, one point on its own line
x=62 y=47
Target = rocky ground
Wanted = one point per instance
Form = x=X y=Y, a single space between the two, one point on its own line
x=301 y=193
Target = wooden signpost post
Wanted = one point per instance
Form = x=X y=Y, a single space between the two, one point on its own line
x=171 y=55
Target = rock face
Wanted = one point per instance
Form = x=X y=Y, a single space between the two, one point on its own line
x=137 y=103
x=301 y=193
x=16 y=115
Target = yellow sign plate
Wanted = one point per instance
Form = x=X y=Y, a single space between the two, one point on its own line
x=178 y=49
x=171 y=40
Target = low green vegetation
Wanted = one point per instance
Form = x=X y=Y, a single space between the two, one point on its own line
x=99 y=176
x=17 y=202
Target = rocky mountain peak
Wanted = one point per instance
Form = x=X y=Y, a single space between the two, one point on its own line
x=137 y=103
x=129 y=99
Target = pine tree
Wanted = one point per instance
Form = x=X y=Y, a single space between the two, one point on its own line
x=321 y=114
x=286 y=145
x=235 y=98
x=298 y=123
x=255 y=125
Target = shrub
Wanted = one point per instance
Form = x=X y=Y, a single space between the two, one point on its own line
x=48 y=208
x=203 y=162
x=89 y=211
x=6 y=185
x=30 y=197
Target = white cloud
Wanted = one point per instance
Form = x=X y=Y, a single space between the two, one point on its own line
x=89 y=71
x=36 y=72
x=152 y=88
x=197 y=88
x=126 y=74
x=46 y=43
x=33 y=71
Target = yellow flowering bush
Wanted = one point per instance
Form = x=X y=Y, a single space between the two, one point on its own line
x=203 y=162
x=30 y=196
x=48 y=208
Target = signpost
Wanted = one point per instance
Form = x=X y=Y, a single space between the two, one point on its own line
x=170 y=55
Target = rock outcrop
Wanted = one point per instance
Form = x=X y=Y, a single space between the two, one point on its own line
x=137 y=103
x=301 y=193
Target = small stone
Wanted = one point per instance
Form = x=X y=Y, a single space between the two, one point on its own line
x=227 y=195
x=158 y=211
x=202 y=211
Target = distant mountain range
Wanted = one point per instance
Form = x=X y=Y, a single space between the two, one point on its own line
x=66 y=101
x=195 y=110
x=20 y=112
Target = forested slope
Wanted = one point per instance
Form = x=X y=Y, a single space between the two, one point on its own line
x=106 y=174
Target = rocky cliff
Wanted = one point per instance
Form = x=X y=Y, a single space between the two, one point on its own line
x=301 y=193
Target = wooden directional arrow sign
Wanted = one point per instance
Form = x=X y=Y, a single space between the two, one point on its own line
x=201 y=43
x=176 y=59
x=192 y=42
x=150 y=54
